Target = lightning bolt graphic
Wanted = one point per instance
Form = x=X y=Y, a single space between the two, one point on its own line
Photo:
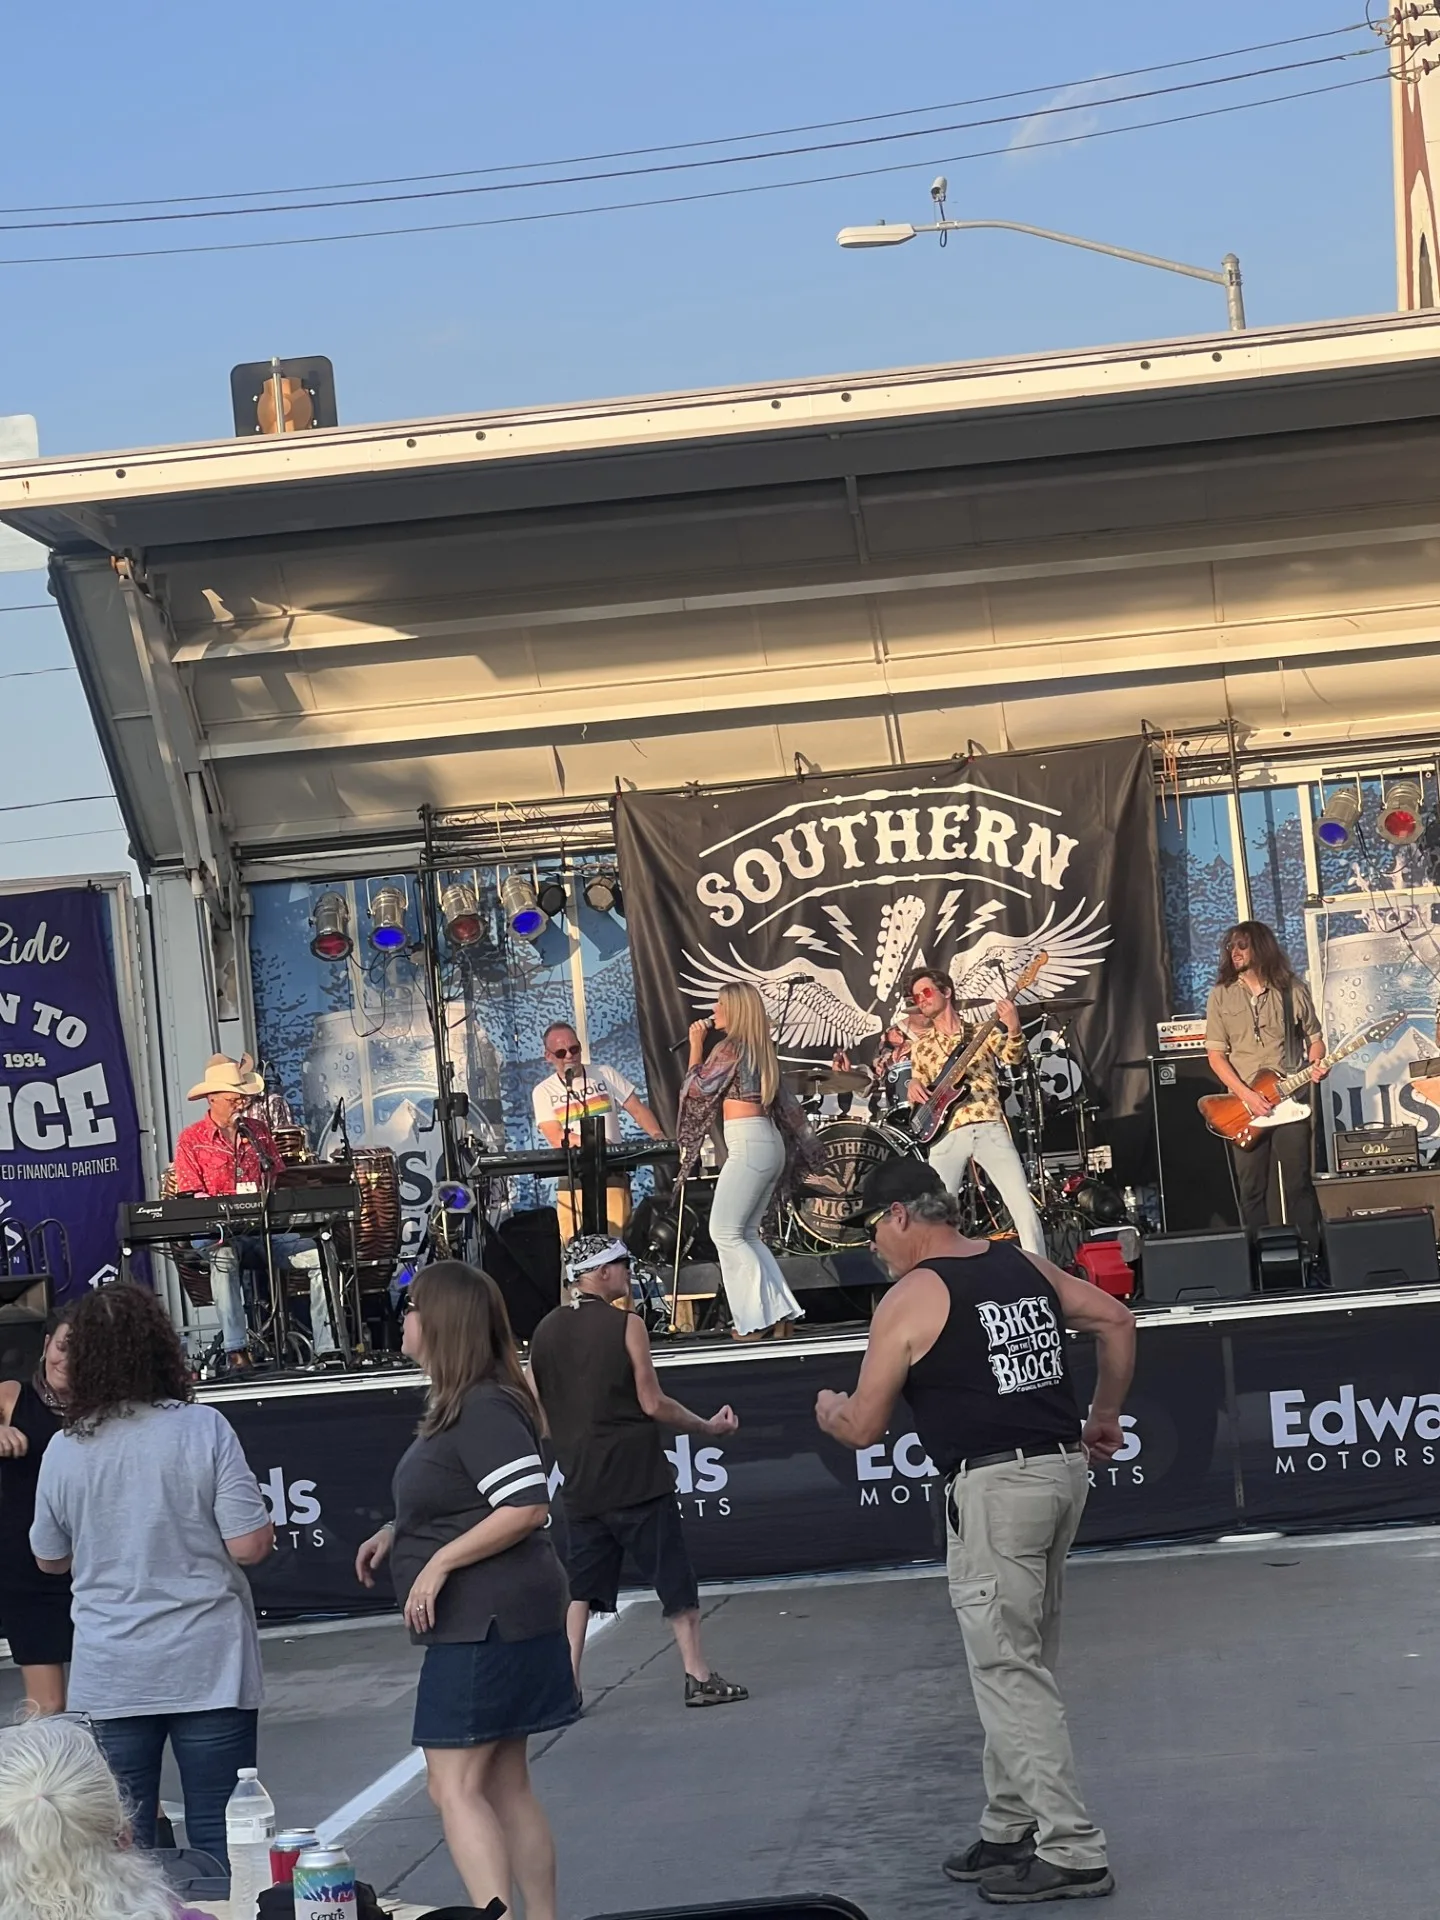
x=808 y=938
x=949 y=907
x=843 y=926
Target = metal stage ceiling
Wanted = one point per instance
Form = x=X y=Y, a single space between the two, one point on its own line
x=290 y=646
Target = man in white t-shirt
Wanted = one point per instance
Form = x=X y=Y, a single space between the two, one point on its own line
x=573 y=1092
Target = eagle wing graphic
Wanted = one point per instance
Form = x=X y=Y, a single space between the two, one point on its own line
x=810 y=1007
x=1075 y=945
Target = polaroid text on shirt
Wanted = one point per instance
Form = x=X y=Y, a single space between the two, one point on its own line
x=1354 y=1433
x=294 y=1507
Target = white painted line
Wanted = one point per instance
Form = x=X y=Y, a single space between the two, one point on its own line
x=396 y=1779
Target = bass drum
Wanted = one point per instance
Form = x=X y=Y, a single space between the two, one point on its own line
x=850 y=1148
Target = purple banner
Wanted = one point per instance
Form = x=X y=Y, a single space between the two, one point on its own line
x=69 y=1133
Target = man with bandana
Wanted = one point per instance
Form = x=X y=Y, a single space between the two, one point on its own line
x=605 y=1408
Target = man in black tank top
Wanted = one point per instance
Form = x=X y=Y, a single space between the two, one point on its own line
x=973 y=1334
x=591 y=1367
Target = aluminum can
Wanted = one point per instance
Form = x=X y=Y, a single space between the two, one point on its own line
x=324 y=1883
x=286 y=1849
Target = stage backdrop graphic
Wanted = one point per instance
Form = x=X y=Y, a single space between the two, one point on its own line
x=69 y=1133
x=825 y=892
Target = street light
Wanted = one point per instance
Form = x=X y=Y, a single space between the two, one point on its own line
x=1227 y=275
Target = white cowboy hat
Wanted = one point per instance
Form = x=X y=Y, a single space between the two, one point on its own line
x=224 y=1075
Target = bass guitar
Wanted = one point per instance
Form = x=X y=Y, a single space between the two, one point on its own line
x=927 y=1119
x=1228 y=1115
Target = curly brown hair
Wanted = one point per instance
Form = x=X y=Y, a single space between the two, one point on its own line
x=123 y=1350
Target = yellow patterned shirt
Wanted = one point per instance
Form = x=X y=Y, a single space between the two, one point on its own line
x=929 y=1053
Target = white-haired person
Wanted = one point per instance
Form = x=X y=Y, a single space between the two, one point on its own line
x=767 y=1139
x=65 y=1843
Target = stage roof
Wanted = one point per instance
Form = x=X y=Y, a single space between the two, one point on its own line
x=306 y=638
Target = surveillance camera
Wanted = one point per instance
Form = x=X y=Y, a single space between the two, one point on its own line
x=940 y=189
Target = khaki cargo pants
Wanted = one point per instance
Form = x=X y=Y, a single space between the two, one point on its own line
x=1006 y=1565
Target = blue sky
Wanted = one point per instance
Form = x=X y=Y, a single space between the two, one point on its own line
x=203 y=100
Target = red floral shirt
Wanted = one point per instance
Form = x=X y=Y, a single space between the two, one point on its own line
x=208 y=1160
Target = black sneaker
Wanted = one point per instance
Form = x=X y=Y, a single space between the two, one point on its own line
x=1036 y=1879
x=985 y=1854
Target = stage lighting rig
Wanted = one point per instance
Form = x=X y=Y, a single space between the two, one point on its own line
x=553 y=897
x=331 y=921
x=524 y=915
x=460 y=913
x=1338 y=819
x=1400 y=812
x=387 y=920
x=602 y=892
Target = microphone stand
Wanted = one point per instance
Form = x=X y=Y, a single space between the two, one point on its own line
x=571 y=1177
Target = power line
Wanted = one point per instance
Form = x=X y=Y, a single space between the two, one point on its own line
x=680 y=199
x=34 y=839
x=69 y=800
x=31 y=606
x=691 y=146
x=34 y=673
x=689 y=166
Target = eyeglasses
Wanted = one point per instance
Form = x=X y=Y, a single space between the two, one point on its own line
x=565 y=1053
x=872 y=1221
x=407 y=1307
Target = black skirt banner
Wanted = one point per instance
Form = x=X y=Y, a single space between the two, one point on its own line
x=824 y=892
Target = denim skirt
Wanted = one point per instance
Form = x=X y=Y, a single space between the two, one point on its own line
x=482 y=1690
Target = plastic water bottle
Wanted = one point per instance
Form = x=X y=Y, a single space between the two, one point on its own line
x=249 y=1829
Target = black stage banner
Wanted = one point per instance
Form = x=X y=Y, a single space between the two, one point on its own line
x=1298 y=1422
x=823 y=893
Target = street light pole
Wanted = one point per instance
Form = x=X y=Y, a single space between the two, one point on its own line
x=1227 y=275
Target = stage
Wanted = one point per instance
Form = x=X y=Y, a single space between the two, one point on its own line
x=1295 y=1414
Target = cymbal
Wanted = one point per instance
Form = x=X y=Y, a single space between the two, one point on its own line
x=1061 y=1004
x=815 y=1080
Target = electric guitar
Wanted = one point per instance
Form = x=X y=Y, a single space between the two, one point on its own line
x=928 y=1118
x=1228 y=1115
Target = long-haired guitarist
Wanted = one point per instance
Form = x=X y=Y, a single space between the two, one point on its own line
x=1260 y=1014
x=976 y=1129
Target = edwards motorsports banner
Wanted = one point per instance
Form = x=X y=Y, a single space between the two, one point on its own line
x=69 y=1134
x=1334 y=1421
x=825 y=892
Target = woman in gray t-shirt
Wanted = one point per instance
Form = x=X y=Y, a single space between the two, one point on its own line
x=146 y=1498
x=482 y=1588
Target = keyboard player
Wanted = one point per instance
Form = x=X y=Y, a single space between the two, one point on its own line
x=574 y=1092
x=231 y=1151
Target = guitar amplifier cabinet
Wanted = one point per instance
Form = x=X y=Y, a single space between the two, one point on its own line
x=1352 y=1195
x=1389 y=1250
x=1197 y=1193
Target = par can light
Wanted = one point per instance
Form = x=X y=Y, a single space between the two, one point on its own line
x=602 y=892
x=524 y=915
x=387 y=920
x=1400 y=813
x=1338 y=819
x=553 y=897
x=460 y=912
x=331 y=921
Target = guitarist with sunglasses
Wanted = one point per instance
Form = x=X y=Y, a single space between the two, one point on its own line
x=1260 y=1014
x=976 y=1128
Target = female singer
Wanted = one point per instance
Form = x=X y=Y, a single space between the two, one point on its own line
x=765 y=1133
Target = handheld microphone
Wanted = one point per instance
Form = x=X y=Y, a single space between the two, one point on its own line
x=684 y=1040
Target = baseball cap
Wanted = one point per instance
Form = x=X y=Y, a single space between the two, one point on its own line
x=894 y=1182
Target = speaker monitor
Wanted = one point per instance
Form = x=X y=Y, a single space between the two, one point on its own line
x=1383 y=1250
x=1180 y=1267
x=1196 y=1190
x=1344 y=1194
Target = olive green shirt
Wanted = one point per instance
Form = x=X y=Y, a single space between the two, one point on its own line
x=1249 y=1028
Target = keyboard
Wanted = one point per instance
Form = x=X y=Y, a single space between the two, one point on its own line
x=191 y=1215
x=555 y=1160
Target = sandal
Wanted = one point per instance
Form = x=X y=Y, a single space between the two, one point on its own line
x=713 y=1692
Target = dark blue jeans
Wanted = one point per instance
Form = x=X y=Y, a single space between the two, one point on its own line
x=209 y=1748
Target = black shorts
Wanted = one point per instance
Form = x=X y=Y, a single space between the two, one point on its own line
x=654 y=1539
x=36 y=1622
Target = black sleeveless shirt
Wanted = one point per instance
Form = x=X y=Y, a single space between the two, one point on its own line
x=998 y=1376
x=18 y=1480
x=610 y=1450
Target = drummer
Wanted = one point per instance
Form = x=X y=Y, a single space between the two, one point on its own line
x=889 y=1074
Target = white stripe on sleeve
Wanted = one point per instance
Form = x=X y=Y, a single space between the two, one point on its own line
x=497 y=1496
x=506 y=1472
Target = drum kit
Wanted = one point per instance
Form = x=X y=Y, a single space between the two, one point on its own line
x=1050 y=1118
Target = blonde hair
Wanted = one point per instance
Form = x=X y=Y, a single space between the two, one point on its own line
x=748 y=1025
x=62 y=1832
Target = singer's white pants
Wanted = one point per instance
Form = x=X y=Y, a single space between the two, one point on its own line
x=754 y=1284
x=988 y=1144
